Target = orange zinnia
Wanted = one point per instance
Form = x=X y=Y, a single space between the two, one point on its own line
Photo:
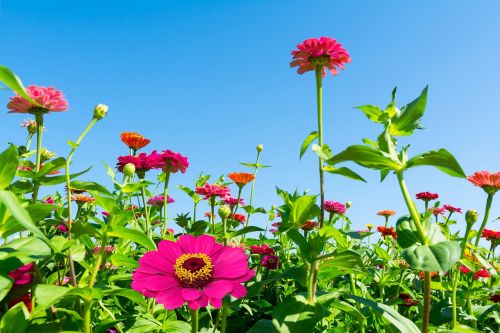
x=134 y=140
x=81 y=198
x=241 y=178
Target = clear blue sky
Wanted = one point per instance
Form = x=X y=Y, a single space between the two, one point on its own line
x=211 y=80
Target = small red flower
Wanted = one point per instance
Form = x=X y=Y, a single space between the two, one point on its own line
x=482 y=273
x=465 y=269
x=437 y=211
x=387 y=231
x=26 y=299
x=308 y=225
x=427 y=196
x=495 y=298
x=233 y=201
x=408 y=301
x=452 y=209
x=239 y=217
x=261 y=249
x=491 y=235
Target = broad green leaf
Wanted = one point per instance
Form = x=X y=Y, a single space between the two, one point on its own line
x=47 y=295
x=50 y=166
x=107 y=203
x=188 y=191
x=296 y=315
x=121 y=260
x=324 y=152
x=441 y=159
x=408 y=234
x=132 y=295
x=303 y=209
x=133 y=235
x=15 y=320
x=263 y=326
x=301 y=242
x=244 y=230
x=26 y=249
x=366 y=156
x=344 y=262
x=392 y=317
x=307 y=142
x=349 y=309
x=11 y=80
x=343 y=171
x=253 y=165
x=89 y=187
x=9 y=163
x=5 y=285
x=55 y=180
x=439 y=257
x=176 y=326
x=329 y=232
x=371 y=111
x=409 y=118
x=21 y=186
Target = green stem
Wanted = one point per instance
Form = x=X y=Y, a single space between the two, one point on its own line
x=194 y=321
x=87 y=322
x=146 y=212
x=224 y=231
x=311 y=282
x=212 y=213
x=251 y=190
x=39 y=134
x=319 y=97
x=223 y=322
x=489 y=200
x=165 y=202
x=355 y=293
x=427 y=302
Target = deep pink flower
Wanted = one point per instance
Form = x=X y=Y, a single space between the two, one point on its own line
x=62 y=228
x=213 y=191
x=482 y=273
x=26 y=299
x=273 y=230
x=322 y=52
x=193 y=270
x=452 y=209
x=261 y=249
x=270 y=262
x=170 y=230
x=49 y=201
x=49 y=98
x=23 y=275
x=142 y=162
x=495 y=298
x=105 y=214
x=489 y=182
x=437 y=211
x=107 y=249
x=465 y=269
x=335 y=207
x=157 y=200
x=427 y=196
x=174 y=161
x=229 y=200
x=65 y=280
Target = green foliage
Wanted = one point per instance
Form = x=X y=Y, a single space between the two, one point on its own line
x=9 y=162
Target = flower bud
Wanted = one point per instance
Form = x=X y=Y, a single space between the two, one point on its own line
x=47 y=154
x=100 y=111
x=224 y=211
x=348 y=204
x=471 y=217
x=129 y=169
x=260 y=147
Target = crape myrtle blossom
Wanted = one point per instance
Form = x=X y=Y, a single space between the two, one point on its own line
x=193 y=270
x=49 y=99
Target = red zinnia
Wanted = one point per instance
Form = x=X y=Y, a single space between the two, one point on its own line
x=239 y=217
x=134 y=140
x=495 y=298
x=490 y=235
x=270 y=262
x=465 y=269
x=233 y=201
x=437 y=211
x=452 y=209
x=214 y=190
x=23 y=275
x=26 y=299
x=489 y=182
x=387 y=231
x=49 y=99
x=408 y=301
x=482 y=273
x=261 y=249
x=320 y=53
x=427 y=196
x=308 y=225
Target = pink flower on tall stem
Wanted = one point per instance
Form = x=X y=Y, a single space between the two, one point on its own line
x=173 y=161
x=261 y=249
x=270 y=262
x=49 y=98
x=157 y=200
x=233 y=201
x=323 y=52
x=193 y=270
x=214 y=190
x=452 y=209
x=427 y=196
x=335 y=207
x=489 y=182
x=142 y=162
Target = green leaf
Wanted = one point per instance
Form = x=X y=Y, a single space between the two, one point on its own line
x=253 y=165
x=11 y=80
x=244 y=230
x=133 y=235
x=441 y=159
x=25 y=249
x=350 y=310
x=324 y=152
x=391 y=316
x=371 y=111
x=296 y=315
x=409 y=118
x=9 y=163
x=301 y=242
x=307 y=142
x=176 y=326
x=89 y=187
x=107 y=203
x=121 y=260
x=47 y=295
x=344 y=262
x=20 y=214
x=263 y=326
x=303 y=209
x=16 y=319
x=187 y=190
x=132 y=295
x=366 y=156
x=5 y=285
x=60 y=179
x=50 y=166
x=439 y=257
x=343 y=171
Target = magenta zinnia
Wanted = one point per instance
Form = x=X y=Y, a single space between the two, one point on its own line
x=214 y=190
x=427 y=196
x=335 y=207
x=193 y=270
x=142 y=162
x=173 y=161
x=158 y=200
x=320 y=52
x=49 y=99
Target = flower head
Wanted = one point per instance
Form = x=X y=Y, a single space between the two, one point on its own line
x=23 y=275
x=408 y=301
x=261 y=249
x=142 y=162
x=495 y=298
x=241 y=178
x=100 y=111
x=452 y=209
x=320 y=53
x=369 y=226
x=482 y=273
x=387 y=231
x=427 y=196
x=489 y=182
x=308 y=225
x=238 y=217
x=386 y=212
x=270 y=262
x=173 y=162
x=158 y=200
x=26 y=299
x=437 y=211
x=81 y=198
x=335 y=207
x=465 y=269
x=214 y=190
x=30 y=125
x=491 y=235
x=49 y=99
x=229 y=200
x=193 y=270
x=134 y=140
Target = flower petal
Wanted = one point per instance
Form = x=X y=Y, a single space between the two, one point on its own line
x=170 y=298
x=218 y=289
x=190 y=294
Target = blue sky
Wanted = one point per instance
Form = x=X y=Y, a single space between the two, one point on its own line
x=211 y=80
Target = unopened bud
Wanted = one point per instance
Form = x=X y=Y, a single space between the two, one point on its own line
x=129 y=169
x=100 y=111
x=348 y=204
x=471 y=217
x=224 y=211
x=260 y=147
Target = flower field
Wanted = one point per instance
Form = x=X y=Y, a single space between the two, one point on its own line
x=79 y=256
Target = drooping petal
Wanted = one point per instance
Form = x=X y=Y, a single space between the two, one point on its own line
x=170 y=298
x=190 y=294
x=218 y=289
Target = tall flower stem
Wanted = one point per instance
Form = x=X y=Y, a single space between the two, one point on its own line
x=68 y=188
x=489 y=200
x=39 y=134
x=194 y=321
x=252 y=188
x=223 y=321
x=319 y=98
x=425 y=240
x=212 y=213
x=146 y=212
x=165 y=202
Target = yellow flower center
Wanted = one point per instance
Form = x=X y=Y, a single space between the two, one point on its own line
x=194 y=270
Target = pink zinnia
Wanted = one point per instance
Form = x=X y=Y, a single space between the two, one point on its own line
x=452 y=209
x=261 y=249
x=270 y=262
x=173 y=161
x=193 y=270
x=437 y=211
x=233 y=201
x=49 y=201
x=23 y=275
x=489 y=182
x=214 y=190
x=142 y=162
x=335 y=207
x=427 y=196
x=322 y=52
x=49 y=99
x=157 y=200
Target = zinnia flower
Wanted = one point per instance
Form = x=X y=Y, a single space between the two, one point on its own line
x=482 y=273
x=387 y=231
x=26 y=299
x=308 y=225
x=270 y=262
x=174 y=162
x=81 y=198
x=157 y=200
x=437 y=211
x=421 y=275
x=490 y=235
x=30 y=125
x=142 y=162
x=23 y=275
x=427 y=196
x=495 y=298
x=335 y=207
x=49 y=201
x=193 y=270
x=386 y=212
x=49 y=99
x=489 y=182
x=320 y=53
x=369 y=226
x=134 y=140
x=261 y=249
x=465 y=269
x=229 y=200
x=214 y=190
x=238 y=217
x=241 y=178
x=408 y=301
x=452 y=209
